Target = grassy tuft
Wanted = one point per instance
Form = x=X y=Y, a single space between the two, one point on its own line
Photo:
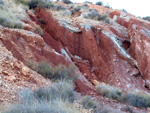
x=58 y=73
x=12 y=13
x=67 y=1
x=100 y=3
x=94 y=15
x=88 y=103
x=58 y=98
x=109 y=91
x=39 y=29
x=131 y=98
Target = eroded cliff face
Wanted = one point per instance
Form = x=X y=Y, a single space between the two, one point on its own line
x=102 y=52
x=115 y=53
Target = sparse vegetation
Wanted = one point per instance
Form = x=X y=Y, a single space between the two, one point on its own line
x=42 y=21
x=33 y=4
x=24 y=2
x=45 y=4
x=88 y=2
x=67 y=1
x=124 y=10
x=79 y=7
x=133 y=99
x=100 y=3
x=58 y=98
x=128 y=109
x=38 y=29
x=147 y=18
x=59 y=73
x=63 y=13
x=88 y=103
x=94 y=15
x=31 y=64
x=137 y=100
x=76 y=9
x=108 y=6
x=11 y=14
x=109 y=91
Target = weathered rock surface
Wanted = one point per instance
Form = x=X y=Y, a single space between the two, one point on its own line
x=117 y=53
x=14 y=76
x=104 y=47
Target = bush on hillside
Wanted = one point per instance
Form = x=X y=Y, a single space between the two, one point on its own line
x=137 y=100
x=109 y=91
x=100 y=3
x=133 y=99
x=22 y=2
x=58 y=98
x=39 y=29
x=94 y=15
x=10 y=24
x=33 y=4
x=11 y=14
x=88 y=103
x=76 y=9
x=88 y=2
x=42 y=21
x=67 y=1
x=59 y=73
x=147 y=18
x=44 y=4
x=1 y=2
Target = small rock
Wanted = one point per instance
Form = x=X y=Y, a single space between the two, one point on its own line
x=95 y=82
x=11 y=78
x=84 y=74
x=25 y=71
x=5 y=72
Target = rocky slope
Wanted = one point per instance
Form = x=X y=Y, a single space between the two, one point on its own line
x=116 y=53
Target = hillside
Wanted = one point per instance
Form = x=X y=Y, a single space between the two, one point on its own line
x=81 y=58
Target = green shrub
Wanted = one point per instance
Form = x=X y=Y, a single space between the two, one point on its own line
x=32 y=65
x=66 y=1
x=58 y=98
x=136 y=100
x=45 y=4
x=94 y=15
x=11 y=14
x=1 y=2
x=76 y=9
x=10 y=24
x=133 y=99
x=88 y=103
x=62 y=89
x=22 y=2
x=42 y=21
x=33 y=4
x=124 y=10
x=109 y=91
x=59 y=73
x=100 y=3
x=147 y=18
x=128 y=109
x=45 y=69
x=39 y=29
x=88 y=2
x=108 y=6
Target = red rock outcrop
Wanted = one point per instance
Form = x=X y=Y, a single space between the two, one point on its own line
x=14 y=76
x=138 y=33
x=115 y=53
x=102 y=47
